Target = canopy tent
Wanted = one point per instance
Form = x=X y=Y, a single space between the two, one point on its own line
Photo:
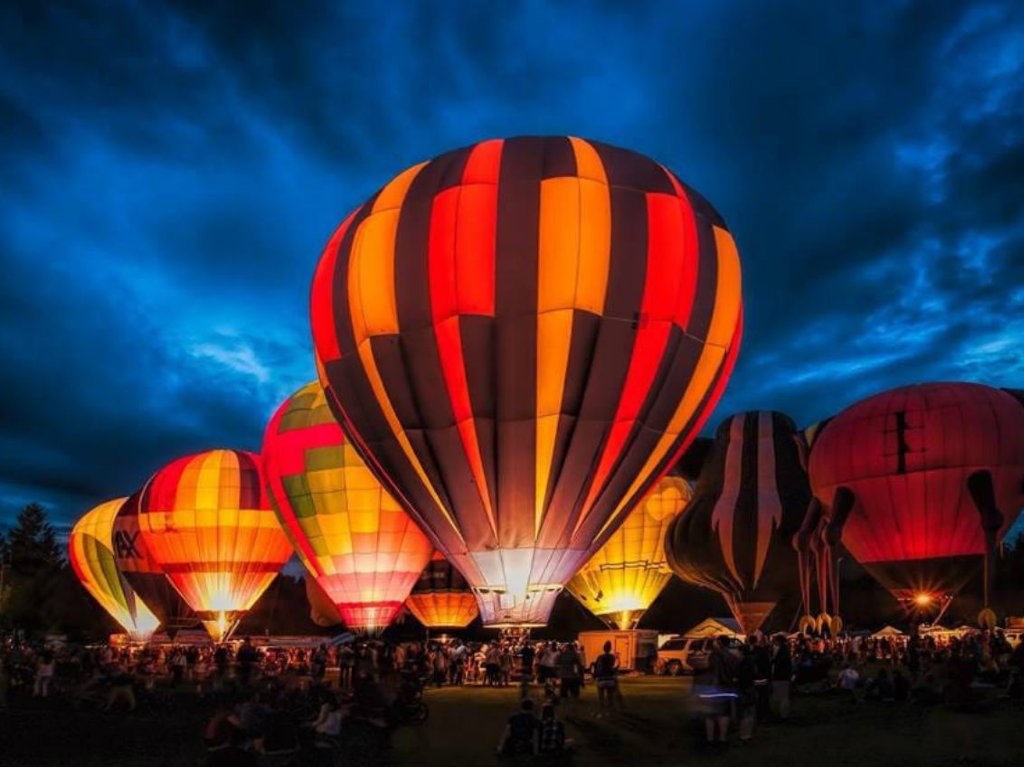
x=888 y=632
x=710 y=627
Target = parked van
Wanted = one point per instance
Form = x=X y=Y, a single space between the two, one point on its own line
x=690 y=652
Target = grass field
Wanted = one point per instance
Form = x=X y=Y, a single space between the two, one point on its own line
x=656 y=729
x=465 y=724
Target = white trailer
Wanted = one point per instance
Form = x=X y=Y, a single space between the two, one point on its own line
x=636 y=649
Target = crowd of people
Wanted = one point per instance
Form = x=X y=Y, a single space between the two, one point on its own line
x=747 y=680
x=288 y=699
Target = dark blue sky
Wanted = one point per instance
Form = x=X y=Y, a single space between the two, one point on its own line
x=169 y=175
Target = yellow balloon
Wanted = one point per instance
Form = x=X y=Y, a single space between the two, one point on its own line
x=626 y=575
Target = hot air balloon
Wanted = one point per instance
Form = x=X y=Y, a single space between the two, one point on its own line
x=322 y=610
x=353 y=537
x=735 y=535
x=91 y=554
x=626 y=575
x=520 y=337
x=207 y=522
x=920 y=482
x=142 y=571
x=441 y=597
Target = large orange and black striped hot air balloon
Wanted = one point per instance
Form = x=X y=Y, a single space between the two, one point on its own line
x=520 y=337
x=140 y=568
x=920 y=483
x=207 y=522
x=358 y=543
x=441 y=597
x=735 y=537
x=91 y=554
x=628 y=572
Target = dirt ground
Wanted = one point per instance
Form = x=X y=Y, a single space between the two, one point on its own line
x=465 y=723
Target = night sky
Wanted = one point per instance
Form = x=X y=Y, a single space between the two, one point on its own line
x=169 y=176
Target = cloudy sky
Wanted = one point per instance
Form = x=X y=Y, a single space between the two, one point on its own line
x=168 y=176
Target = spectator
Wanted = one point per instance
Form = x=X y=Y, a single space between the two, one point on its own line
x=847 y=682
x=606 y=667
x=782 y=677
x=551 y=739
x=44 y=674
x=520 y=736
x=569 y=672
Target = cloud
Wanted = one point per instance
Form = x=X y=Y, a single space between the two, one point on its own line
x=171 y=172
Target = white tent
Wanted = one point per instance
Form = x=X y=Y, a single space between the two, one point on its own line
x=887 y=631
x=710 y=627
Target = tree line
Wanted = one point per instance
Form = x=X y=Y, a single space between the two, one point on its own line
x=40 y=594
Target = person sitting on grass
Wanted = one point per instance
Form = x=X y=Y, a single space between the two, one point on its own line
x=847 y=682
x=880 y=687
x=234 y=754
x=221 y=728
x=900 y=686
x=520 y=736
x=122 y=687
x=551 y=738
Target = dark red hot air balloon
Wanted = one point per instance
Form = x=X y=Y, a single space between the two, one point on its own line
x=735 y=536
x=920 y=482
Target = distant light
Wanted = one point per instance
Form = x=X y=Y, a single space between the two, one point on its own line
x=922 y=599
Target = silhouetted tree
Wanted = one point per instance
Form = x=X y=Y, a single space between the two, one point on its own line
x=32 y=542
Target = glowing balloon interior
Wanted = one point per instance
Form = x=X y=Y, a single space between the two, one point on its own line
x=441 y=597
x=626 y=575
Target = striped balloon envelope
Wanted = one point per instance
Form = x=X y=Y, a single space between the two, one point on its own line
x=520 y=337
x=736 y=535
x=628 y=572
x=358 y=543
x=921 y=482
x=140 y=568
x=441 y=597
x=91 y=554
x=208 y=524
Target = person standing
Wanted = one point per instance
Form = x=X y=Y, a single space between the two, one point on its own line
x=746 y=691
x=526 y=656
x=548 y=662
x=44 y=674
x=569 y=672
x=762 y=655
x=717 y=692
x=782 y=677
x=606 y=667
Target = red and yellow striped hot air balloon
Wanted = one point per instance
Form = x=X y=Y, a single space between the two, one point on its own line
x=206 y=520
x=441 y=597
x=520 y=337
x=628 y=572
x=91 y=554
x=363 y=550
